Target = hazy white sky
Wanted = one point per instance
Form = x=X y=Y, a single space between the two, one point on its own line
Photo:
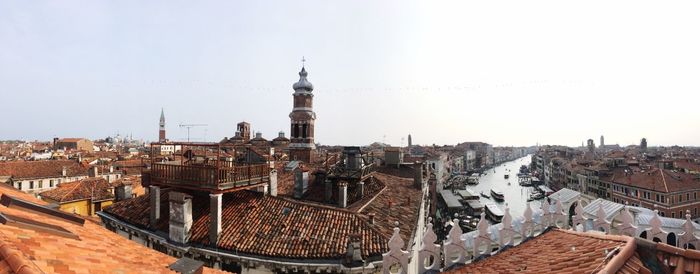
x=504 y=72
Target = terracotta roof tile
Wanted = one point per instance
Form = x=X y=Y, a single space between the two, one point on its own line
x=96 y=189
x=555 y=251
x=42 y=169
x=97 y=250
x=267 y=226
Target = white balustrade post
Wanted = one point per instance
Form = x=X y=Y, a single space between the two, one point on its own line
x=429 y=250
x=396 y=254
x=627 y=226
x=455 y=246
x=600 y=221
x=688 y=236
x=578 y=218
x=482 y=238
x=528 y=227
x=507 y=231
x=655 y=229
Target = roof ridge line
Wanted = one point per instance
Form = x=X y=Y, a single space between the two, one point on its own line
x=663 y=177
x=77 y=183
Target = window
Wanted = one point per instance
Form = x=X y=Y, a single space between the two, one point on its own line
x=19 y=185
x=680 y=214
x=673 y=215
x=31 y=184
x=696 y=211
x=41 y=183
x=695 y=195
x=680 y=198
x=687 y=196
x=50 y=183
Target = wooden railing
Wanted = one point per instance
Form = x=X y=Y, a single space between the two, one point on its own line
x=208 y=176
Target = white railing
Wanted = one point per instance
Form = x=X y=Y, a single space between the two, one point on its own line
x=488 y=239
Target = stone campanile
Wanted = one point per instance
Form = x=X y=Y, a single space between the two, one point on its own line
x=161 y=128
x=301 y=146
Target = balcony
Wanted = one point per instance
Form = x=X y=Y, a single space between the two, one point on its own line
x=207 y=167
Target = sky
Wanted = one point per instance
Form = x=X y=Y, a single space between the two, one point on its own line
x=503 y=72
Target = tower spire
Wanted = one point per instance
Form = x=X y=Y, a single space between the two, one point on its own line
x=161 y=130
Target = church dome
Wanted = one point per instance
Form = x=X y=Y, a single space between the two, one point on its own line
x=303 y=83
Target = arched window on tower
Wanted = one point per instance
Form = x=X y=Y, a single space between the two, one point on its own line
x=295 y=131
x=305 y=128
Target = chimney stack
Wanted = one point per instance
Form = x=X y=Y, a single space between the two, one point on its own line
x=343 y=194
x=154 y=202
x=273 y=183
x=64 y=172
x=418 y=174
x=180 y=216
x=215 y=201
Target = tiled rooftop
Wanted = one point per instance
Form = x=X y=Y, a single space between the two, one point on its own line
x=97 y=250
x=399 y=202
x=267 y=226
x=96 y=189
x=556 y=251
x=662 y=180
x=42 y=169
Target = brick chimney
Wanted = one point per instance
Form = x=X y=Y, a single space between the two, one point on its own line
x=418 y=174
x=273 y=183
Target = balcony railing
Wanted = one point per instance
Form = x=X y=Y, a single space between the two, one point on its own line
x=209 y=176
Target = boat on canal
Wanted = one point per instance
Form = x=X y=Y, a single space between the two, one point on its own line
x=494 y=213
x=536 y=196
x=484 y=195
x=497 y=195
x=506 y=176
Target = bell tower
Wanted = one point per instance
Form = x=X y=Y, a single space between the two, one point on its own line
x=301 y=146
x=161 y=131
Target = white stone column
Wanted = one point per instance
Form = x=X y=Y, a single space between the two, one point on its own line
x=343 y=194
x=180 y=216
x=273 y=183
x=154 y=202
x=215 y=201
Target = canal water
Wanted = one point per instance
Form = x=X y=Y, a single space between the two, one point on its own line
x=515 y=195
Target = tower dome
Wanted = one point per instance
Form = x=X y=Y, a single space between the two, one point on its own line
x=303 y=84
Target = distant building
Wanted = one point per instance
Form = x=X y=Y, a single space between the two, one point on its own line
x=39 y=176
x=280 y=142
x=73 y=144
x=602 y=141
x=244 y=129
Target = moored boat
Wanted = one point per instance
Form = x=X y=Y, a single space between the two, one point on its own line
x=497 y=194
x=494 y=213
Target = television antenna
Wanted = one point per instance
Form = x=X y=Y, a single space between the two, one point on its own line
x=189 y=126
